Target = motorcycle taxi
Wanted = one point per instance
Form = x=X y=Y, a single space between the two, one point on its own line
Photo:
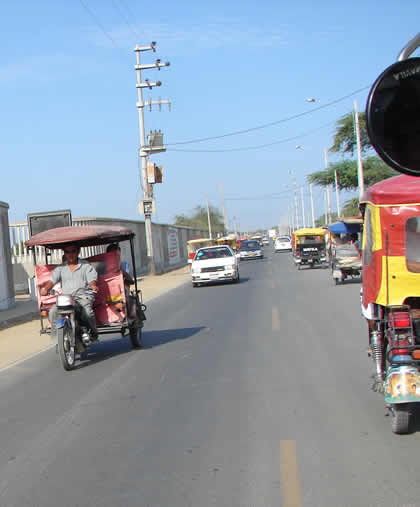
x=117 y=308
x=390 y=299
x=345 y=257
x=309 y=247
x=195 y=244
x=229 y=241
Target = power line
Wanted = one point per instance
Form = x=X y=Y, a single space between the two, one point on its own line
x=276 y=195
x=130 y=13
x=281 y=141
x=265 y=125
x=98 y=23
x=118 y=8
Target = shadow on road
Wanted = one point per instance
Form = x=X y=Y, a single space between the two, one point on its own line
x=218 y=283
x=307 y=267
x=350 y=281
x=107 y=349
x=104 y=350
x=153 y=339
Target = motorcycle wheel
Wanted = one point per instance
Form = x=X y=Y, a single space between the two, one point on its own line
x=135 y=337
x=65 y=348
x=401 y=418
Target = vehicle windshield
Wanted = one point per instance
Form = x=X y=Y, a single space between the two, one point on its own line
x=307 y=240
x=283 y=239
x=250 y=245
x=212 y=253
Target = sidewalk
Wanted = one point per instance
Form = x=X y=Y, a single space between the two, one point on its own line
x=19 y=326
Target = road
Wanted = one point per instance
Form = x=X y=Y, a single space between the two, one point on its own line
x=254 y=394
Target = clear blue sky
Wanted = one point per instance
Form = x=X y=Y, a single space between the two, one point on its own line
x=70 y=124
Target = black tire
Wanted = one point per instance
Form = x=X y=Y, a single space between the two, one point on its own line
x=194 y=285
x=237 y=279
x=401 y=419
x=136 y=337
x=66 y=351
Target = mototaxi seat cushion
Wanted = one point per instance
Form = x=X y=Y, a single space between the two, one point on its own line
x=106 y=263
x=110 y=300
x=43 y=274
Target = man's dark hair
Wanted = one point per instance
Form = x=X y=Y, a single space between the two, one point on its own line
x=112 y=247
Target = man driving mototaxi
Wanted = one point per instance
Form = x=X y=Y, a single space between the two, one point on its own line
x=78 y=278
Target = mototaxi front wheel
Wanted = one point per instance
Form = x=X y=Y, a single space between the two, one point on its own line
x=66 y=347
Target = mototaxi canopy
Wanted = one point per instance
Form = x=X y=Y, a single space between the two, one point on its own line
x=402 y=189
x=87 y=235
x=310 y=231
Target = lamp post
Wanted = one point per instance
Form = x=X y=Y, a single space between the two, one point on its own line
x=359 y=150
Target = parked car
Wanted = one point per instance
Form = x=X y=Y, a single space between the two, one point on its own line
x=214 y=264
x=250 y=249
x=283 y=244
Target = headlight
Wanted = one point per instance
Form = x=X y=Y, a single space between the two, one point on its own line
x=196 y=270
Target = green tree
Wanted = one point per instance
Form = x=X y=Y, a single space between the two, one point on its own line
x=374 y=170
x=344 y=137
x=351 y=208
x=198 y=219
x=320 y=221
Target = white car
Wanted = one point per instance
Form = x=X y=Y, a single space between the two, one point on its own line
x=283 y=244
x=214 y=264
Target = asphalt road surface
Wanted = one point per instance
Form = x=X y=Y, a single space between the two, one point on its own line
x=251 y=394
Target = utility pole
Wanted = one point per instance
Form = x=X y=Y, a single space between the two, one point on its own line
x=147 y=204
x=326 y=207
x=312 y=205
x=359 y=151
x=296 y=207
x=222 y=194
x=303 y=207
x=208 y=218
x=337 y=194
x=328 y=188
x=235 y=225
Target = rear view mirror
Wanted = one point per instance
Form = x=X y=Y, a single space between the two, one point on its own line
x=393 y=116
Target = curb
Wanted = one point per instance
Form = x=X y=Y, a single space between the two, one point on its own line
x=19 y=319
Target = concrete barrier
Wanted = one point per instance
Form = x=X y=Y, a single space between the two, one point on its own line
x=7 y=291
x=169 y=246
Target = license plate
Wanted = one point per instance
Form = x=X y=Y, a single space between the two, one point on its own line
x=213 y=275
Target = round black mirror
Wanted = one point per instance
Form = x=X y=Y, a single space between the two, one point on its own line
x=393 y=116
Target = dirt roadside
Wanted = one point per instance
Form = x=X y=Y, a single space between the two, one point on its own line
x=22 y=341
